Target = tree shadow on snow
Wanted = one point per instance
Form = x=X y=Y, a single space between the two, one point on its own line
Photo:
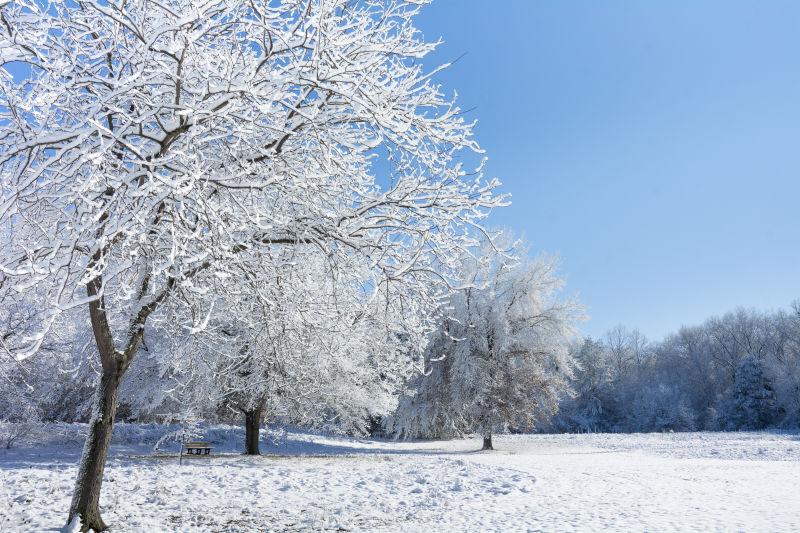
x=294 y=447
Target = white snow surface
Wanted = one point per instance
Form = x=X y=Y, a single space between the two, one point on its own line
x=311 y=482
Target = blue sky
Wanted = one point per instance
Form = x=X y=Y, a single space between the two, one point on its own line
x=654 y=145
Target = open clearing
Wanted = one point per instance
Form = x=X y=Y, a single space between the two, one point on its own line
x=653 y=482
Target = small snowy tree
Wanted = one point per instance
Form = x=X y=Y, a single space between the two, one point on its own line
x=586 y=408
x=501 y=358
x=154 y=154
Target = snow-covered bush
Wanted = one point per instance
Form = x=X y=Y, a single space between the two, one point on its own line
x=661 y=407
x=20 y=416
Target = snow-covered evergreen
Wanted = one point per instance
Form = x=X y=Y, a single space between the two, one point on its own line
x=752 y=403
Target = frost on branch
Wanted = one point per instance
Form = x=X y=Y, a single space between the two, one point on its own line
x=161 y=148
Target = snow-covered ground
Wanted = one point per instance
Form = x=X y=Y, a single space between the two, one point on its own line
x=653 y=482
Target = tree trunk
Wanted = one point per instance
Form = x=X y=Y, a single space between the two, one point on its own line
x=86 y=498
x=252 y=428
x=487 y=442
x=85 y=506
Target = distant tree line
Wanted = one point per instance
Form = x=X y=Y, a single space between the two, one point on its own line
x=740 y=371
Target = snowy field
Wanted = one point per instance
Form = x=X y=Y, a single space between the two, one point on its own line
x=647 y=482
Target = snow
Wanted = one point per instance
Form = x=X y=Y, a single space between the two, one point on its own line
x=656 y=482
x=74 y=525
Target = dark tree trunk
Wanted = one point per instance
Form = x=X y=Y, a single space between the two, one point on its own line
x=86 y=498
x=252 y=429
x=487 y=442
x=85 y=505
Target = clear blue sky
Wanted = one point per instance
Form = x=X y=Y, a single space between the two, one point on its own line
x=654 y=145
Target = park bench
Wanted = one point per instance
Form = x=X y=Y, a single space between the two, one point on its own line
x=195 y=448
x=198 y=448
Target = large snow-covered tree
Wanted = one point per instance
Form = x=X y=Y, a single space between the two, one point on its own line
x=318 y=352
x=500 y=359
x=154 y=154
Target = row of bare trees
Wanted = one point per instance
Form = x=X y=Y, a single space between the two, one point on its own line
x=737 y=371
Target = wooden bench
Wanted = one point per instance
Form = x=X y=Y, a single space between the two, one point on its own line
x=195 y=448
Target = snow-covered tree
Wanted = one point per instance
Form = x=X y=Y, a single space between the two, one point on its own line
x=155 y=154
x=585 y=409
x=752 y=404
x=322 y=352
x=501 y=358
